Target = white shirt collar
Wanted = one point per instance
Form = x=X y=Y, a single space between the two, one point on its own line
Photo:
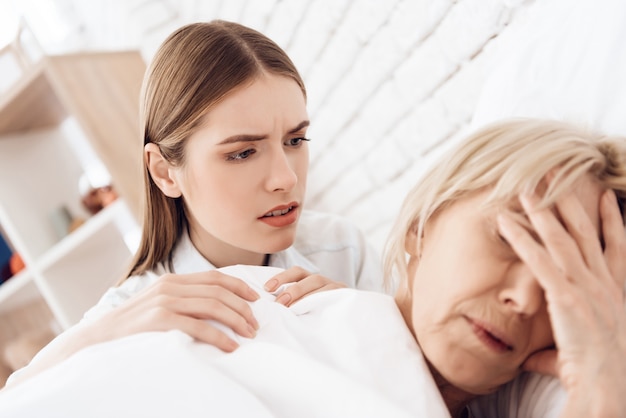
x=187 y=259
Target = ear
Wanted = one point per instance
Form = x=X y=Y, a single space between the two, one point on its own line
x=160 y=171
x=414 y=251
x=410 y=242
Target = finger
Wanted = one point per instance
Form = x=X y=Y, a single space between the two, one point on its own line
x=205 y=332
x=614 y=237
x=219 y=296
x=311 y=284
x=544 y=362
x=214 y=277
x=234 y=284
x=131 y=318
x=166 y=312
x=556 y=240
x=549 y=276
x=291 y=275
x=300 y=289
x=178 y=297
x=582 y=230
x=218 y=310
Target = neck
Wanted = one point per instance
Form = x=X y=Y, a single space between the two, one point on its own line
x=456 y=399
x=405 y=304
x=221 y=254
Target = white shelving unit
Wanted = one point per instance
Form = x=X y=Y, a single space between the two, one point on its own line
x=58 y=102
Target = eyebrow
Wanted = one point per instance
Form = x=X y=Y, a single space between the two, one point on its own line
x=251 y=138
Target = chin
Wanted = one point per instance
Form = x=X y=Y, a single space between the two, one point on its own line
x=281 y=244
x=472 y=380
x=476 y=384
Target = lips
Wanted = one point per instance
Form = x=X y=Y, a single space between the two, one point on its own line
x=278 y=212
x=493 y=338
x=282 y=215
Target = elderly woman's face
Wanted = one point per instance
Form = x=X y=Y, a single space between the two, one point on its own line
x=477 y=310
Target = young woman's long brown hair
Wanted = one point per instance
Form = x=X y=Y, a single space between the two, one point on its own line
x=194 y=68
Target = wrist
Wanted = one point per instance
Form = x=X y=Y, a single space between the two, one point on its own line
x=599 y=398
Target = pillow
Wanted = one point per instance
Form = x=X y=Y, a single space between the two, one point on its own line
x=566 y=61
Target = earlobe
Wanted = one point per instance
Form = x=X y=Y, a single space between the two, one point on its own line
x=159 y=170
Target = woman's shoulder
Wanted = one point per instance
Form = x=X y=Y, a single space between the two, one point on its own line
x=116 y=295
x=339 y=250
x=317 y=228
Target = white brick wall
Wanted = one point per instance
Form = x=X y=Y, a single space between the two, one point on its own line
x=390 y=83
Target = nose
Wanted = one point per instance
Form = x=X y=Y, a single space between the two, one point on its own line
x=521 y=292
x=282 y=176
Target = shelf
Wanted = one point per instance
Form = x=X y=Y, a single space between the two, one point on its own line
x=39 y=173
x=63 y=115
x=70 y=296
x=30 y=104
x=84 y=232
x=103 y=233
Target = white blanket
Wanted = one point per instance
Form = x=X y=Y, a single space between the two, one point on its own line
x=342 y=353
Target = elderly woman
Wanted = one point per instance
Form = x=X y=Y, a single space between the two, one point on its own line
x=510 y=255
x=517 y=260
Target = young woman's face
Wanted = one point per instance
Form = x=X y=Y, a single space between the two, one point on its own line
x=244 y=178
x=477 y=311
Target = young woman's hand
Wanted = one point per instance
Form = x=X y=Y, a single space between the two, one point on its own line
x=182 y=302
x=185 y=302
x=304 y=283
x=584 y=290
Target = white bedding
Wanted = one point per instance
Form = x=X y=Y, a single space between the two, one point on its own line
x=342 y=353
x=567 y=62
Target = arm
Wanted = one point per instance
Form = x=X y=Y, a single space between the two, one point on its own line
x=174 y=301
x=584 y=288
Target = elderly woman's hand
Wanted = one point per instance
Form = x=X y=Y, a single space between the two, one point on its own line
x=584 y=290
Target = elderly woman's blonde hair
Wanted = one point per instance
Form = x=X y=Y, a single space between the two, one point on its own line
x=511 y=157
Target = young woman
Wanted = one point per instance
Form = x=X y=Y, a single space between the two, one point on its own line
x=226 y=158
x=511 y=256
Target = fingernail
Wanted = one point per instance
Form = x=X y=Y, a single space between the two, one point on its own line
x=254 y=323
x=231 y=345
x=283 y=298
x=271 y=285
